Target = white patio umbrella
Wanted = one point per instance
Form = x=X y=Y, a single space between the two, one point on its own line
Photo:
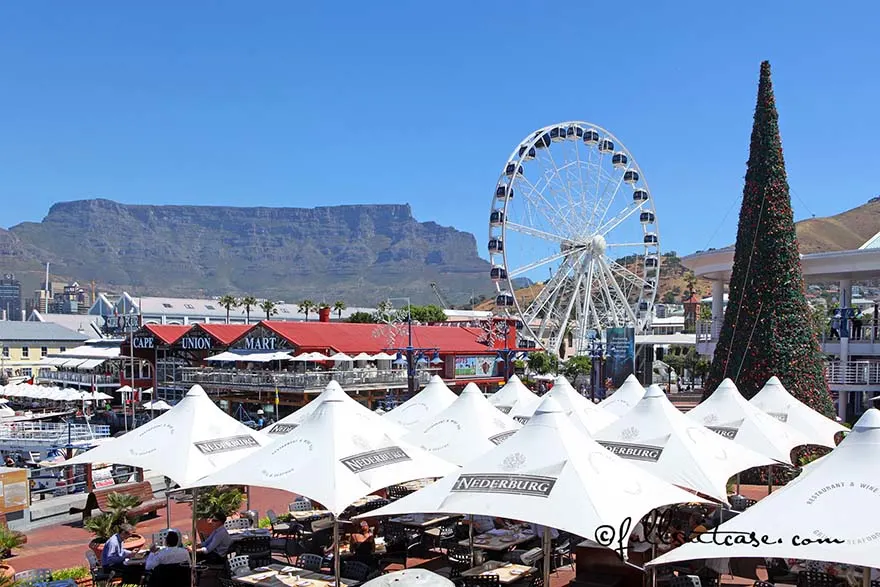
x=383 y=357
x=828 y=513
x=658 y=438
x=202 y=437
x=430 y=401
x=624 y=398
x=776 y=401
x=728 y=413
x=332 y=391
x=466 y=429
x=316 y=356
x=189 y=441
x=341 y=358
x=362 y=357
x=548 y=473
x=159 y=405
x=225 y=357
x=96 y=395
x=335 y=457
x=514 y=394
x=587 y=416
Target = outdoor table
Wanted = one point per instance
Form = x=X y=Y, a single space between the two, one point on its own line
x=410 y=578
x=507 y=572
x=307 y=514
x=239 y=533
x=289 y=576
x=500 y=540
x=421 y=520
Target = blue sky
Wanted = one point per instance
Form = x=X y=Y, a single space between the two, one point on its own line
x=304 y=104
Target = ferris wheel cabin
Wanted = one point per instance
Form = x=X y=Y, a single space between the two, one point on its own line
x=631 y=176
x=498 y=273
x=646 y=218
x=496 y=218
x=512 y=170
x=640 y=195
x=503 y=191
x=606 y=146
x=591 y=136
x=651 y=239
x=504 y=300
x=496 y=245
x=619 y=160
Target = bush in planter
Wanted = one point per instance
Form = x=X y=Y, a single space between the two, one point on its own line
x=220 y=499
x=105 y=525
x=214 y=501
x=9 y=539
x=80 y=575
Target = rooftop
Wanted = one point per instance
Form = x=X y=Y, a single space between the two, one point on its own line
x=37 y=332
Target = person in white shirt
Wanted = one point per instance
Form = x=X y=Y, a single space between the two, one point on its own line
x=172 y=554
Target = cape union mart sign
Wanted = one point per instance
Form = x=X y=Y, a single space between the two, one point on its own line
x=143 y=342
x=530 y=485
x=197 y=343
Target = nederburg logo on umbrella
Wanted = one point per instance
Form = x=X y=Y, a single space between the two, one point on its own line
x=499 y=438
x=374 y=459
x=532 y=485
x=635 y=452
x=724 y=431
x=228 y=444
x=282 y=428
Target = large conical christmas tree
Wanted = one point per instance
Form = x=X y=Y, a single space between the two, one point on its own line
x=767 y=327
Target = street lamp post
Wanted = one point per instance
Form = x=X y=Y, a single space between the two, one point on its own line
x=596 y=353
x=410 y=362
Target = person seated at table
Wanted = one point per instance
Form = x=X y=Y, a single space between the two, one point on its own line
x=539 y=532
x=362 y=543
x=172 y=554
x=697 y=526
x=10 y=462
x=483 y=524
x=115 y=554
x=214 y=549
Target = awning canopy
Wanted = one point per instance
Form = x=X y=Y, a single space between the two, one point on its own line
x=250 y=357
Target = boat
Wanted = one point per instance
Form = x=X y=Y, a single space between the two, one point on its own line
x=36 y=440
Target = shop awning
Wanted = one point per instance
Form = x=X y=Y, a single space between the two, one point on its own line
x=251 y=357
x=90 y=364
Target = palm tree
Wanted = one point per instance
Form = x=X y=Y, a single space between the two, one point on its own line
x=248 y=302
x=228 y=302
x=268 y=306
x=338 y=307
x=307 y=306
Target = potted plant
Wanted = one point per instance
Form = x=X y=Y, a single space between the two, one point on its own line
x=80 y=575
x=213 y=501
x=9 y=539
x=107 y=524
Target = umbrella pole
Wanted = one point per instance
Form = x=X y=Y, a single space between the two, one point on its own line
x=336 y=572
x=737 y=484
x=866 y=577
x=471 y=539
x=769 y=479
x=547 y=556
x=247 y=492
x=167 y=502
x=195 y=540
x=653 y=567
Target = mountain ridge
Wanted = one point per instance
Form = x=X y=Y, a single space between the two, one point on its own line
x=360 y=253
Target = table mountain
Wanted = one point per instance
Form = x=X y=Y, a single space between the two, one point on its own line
x=360 y=254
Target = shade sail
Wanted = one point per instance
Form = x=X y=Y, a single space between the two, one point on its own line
x=187 y=442
x=466 y=429
x=776 y=401
x=334 y=457
x=515 y=395
x=430 y=401
x=547 y=473
x=624 y=398
x=836 y=498
x=332 y=391
x=727 y=412
x=655 y=436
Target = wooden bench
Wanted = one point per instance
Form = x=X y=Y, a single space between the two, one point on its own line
x=97 y=499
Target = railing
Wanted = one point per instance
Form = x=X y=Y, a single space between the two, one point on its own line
x=60 y=480
x=869 y=333
x=49 y=432
x=708 y=330
x=297 y=381
x=853 y=372
x=79 y=378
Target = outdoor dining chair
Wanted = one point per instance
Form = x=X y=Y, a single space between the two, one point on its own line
x=817 y=579
x=310 y=562
x=237 y=524
x=160 y=536
x=300 y=505
x=355 y=570
x=685 y=581
x=99 y=576
x=33 y=576
x=278 y=528
x=237 y=565
x=481 y=581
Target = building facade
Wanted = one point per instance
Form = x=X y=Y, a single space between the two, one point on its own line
x=23 y=345
x=10 y=298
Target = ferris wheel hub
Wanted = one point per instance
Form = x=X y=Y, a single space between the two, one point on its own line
x=597 y=245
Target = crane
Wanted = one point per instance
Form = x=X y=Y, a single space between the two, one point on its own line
x=436 y=289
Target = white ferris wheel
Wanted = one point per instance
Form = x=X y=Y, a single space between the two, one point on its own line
x=574 y=232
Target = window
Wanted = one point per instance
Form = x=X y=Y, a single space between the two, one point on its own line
x=6 y=352
x=44 y=351
x=285 y=311
x=26 y=371
x=210 y=307
x=25 y=352
x=62 y=349
x=167 y=305
x=189 y=306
